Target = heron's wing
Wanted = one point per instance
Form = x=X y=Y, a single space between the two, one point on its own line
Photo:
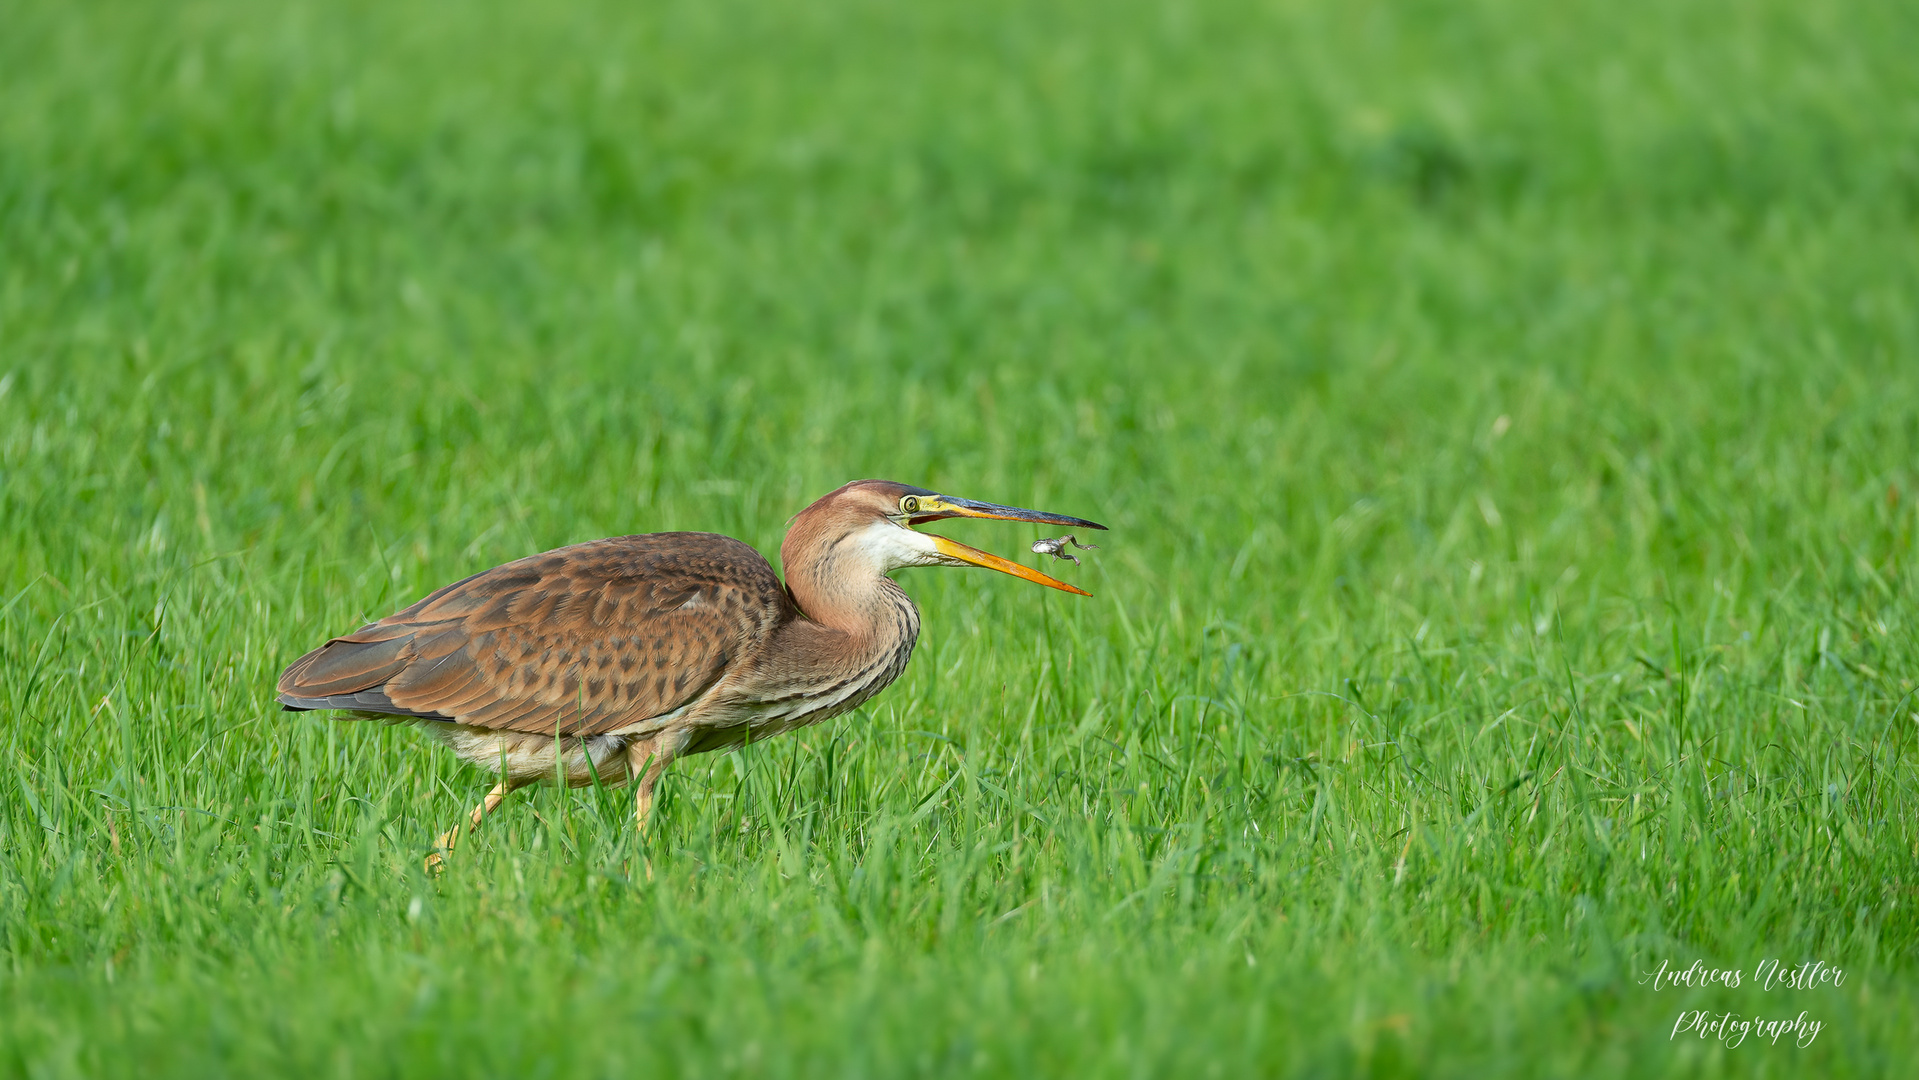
x=581 y=640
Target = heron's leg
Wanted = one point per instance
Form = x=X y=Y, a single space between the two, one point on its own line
x=648 y=758
x=646 y=761
x=450 y=838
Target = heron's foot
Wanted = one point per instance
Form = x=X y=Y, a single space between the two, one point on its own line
x=436 y=859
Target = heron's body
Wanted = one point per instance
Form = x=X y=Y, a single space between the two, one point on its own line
x=607 y=660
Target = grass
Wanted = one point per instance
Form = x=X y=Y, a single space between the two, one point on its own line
x=1506 y=414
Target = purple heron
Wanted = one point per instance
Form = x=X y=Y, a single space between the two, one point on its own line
x=605 y=661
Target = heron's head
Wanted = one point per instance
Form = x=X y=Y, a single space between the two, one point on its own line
x=869 y=525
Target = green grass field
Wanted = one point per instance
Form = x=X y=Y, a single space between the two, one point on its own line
x=1507 y=414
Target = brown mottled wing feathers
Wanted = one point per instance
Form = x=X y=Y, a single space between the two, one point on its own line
x=586 y=639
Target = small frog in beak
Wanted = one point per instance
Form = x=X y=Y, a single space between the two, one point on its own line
x=1057 y=547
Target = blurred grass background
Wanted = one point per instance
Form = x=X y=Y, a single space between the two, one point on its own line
x=1507 y=415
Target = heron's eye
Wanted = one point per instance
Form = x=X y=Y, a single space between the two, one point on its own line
x=910 y=504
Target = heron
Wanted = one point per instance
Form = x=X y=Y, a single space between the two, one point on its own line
x=604 y=662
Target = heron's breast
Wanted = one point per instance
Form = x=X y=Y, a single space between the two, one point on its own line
x=830 y=693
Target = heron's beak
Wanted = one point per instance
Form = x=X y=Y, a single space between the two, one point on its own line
x=959 y=552
x=938 y=507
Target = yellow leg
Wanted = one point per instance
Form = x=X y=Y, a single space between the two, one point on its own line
x=644 y=759
x=647 y=762
x=435 y=860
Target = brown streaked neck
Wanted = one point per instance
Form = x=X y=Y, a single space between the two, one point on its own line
x=838 y=588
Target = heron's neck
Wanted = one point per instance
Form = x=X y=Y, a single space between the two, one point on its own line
x=855 y=600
